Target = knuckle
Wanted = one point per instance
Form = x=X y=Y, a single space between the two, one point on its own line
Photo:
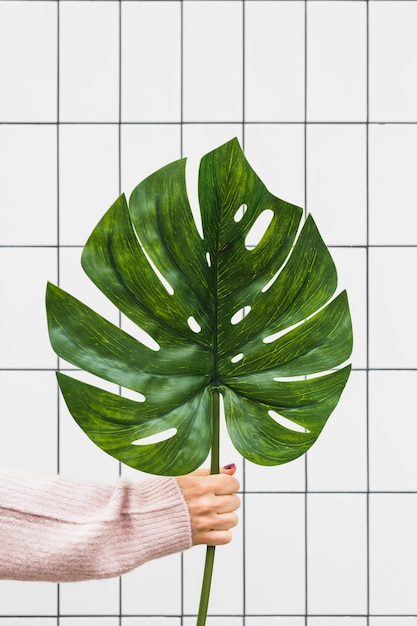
x=226 y=537
x=234 y=520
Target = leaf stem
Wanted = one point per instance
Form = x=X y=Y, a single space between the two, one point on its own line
x=214 y=469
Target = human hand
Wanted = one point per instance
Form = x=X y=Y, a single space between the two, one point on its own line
x=212 y=502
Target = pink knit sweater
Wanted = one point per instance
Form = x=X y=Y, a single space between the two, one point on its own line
x=58 y=530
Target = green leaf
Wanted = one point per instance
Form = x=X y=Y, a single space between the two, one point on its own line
x=216 y=314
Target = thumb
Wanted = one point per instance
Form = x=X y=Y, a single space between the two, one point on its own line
x=229 y=469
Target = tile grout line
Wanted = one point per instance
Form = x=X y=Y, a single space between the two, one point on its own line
x=305 y=213
x=58 y=256
x=120 y=191
x=367 y=325
x=182 y=572
x=244 y=492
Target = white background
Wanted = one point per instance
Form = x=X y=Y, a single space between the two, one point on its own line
x=95 y=95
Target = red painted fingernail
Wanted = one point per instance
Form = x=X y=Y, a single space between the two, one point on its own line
x=230 y=466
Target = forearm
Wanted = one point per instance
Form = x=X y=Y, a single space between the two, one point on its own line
x=58 y=530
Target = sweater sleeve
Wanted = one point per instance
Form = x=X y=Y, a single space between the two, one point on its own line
x=58 y=530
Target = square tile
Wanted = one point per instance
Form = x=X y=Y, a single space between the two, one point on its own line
x=274 y=536
x=392 y=328
x=336 y=61
x=337 y=554
x=89 y=74
x=88 y=178
x=212 y=62
x=151 y=62
x=392 y=61
x=274 y=61
x=393 y=462
x=338 y=460
x=154 y=589
x=91 y=597
x=28 y=598
x=28 y=184
x=28 y=421
x=28 y=61
x=393 y=554
x=24 y=337
x=336 y=182
x=392 y=184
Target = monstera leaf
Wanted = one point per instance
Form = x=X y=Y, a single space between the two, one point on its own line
x=259 y=324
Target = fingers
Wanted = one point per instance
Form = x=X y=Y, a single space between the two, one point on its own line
x=213 y=538
x=222 y=484
x=227 y=504
x=212 y=503
x=218 y=533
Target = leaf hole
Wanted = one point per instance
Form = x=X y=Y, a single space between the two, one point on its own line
x=271 y=282
x=155 y=438
x=162 y=278
x=286 y=423
x=258 y=229
x=237 y=357
x=193 y=324
x=240 y=315
x=282 y=332
x=274 y=337
x=240 y=213
x=208 y=259
x=133 y=395
x=149 y=341
x=141 y=335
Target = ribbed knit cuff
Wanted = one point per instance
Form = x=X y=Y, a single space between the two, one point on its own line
x=160 y=515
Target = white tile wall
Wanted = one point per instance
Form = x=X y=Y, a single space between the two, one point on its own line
x=28 y=61
x=274 y=62
x=88 y=178
x=323 y=96
x=151 y=54
x=336 y=565
x=336 y=61
x=336 y=182
x=392 y=184
x=28 y=185
x=275 y=579
x=89 y=74
x=392 y=61
x=212 y=63
x=393 y=553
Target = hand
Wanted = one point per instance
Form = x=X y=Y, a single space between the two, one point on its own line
x=212 y=502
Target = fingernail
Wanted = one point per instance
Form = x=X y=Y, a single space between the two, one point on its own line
x=230 y=466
